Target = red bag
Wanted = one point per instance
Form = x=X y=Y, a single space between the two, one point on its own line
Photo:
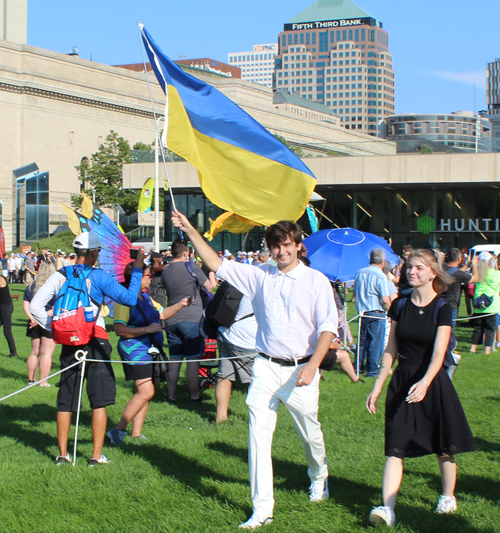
x=470 y=289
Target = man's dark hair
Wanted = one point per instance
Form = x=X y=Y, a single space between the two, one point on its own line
x=127 y=273
x=179 y=246
x=278 y=233
x=408 y=248
x=81 y=252
x=453 y=255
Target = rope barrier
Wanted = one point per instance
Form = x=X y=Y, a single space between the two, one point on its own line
x=82 y=359
x=37 y=382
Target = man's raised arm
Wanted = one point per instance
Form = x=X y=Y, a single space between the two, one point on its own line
x=207 y=254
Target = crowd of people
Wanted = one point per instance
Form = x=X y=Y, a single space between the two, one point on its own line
x=289 y=325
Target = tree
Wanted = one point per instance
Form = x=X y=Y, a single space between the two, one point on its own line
x=424 y=149
x=297 y=150
x=103 y=176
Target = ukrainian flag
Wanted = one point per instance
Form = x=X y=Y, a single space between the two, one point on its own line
x=242 y=167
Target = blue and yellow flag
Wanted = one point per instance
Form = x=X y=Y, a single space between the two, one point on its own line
x=146 y=196
x=242 y=167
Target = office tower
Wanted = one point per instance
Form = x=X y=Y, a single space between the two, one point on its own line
x=257 y=65
x=336 y=53
x=493 y=100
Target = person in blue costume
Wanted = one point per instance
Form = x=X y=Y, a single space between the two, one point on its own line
x=101 y=386
x=140 y=333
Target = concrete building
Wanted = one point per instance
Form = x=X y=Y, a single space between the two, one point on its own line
x=460 y=131
x=57 y=109
x=14 y=21
x=336 y=53
x=257 y=65
x=493 y=100
x=438 y=200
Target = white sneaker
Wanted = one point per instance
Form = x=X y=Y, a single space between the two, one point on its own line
x=103 y=460
x=255 y=521
x=446 y=505
x=382 y=515
x=319 y=491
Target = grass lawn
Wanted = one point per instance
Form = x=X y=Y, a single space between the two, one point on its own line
x=191 y=476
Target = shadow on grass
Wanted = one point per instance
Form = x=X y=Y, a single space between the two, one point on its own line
x=290 y=476
x=486 y=445
x=478 y=486
x=13 y=419
x=4 y=373
x=187 y=471
x=493 y=398
x=425 y=520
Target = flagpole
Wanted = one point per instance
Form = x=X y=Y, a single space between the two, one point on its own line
x=157 y=191
x=139 y=28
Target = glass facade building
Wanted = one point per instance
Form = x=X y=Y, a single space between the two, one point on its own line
x=199 y=209
x=451 y=216
x=32 y=214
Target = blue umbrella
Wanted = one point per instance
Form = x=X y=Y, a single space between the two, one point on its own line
x=340 y=253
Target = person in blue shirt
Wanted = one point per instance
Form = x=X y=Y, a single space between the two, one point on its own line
x=372 y=301
x=101 y=386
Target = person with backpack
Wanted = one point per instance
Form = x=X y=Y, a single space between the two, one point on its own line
x=183 y=330
x=460 y=277
x=423 y=414
x=234 y=340
x=486 y=304
x=78 y=324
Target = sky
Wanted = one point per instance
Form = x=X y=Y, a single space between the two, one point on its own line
x=440 y=47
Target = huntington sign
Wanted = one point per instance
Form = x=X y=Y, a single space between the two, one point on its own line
x=427 y=224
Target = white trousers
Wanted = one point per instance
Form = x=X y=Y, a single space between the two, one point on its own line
x=272 y=383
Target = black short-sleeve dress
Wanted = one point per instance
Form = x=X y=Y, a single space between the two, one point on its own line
x=437 y=424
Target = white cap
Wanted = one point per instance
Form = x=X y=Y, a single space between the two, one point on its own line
x=87 y=241
x=485 y=256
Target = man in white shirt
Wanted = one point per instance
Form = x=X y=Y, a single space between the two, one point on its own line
x=297 y=321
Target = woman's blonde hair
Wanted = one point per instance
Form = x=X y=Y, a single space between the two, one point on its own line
x=429 y=258
x=45 y=270
x=483 y=267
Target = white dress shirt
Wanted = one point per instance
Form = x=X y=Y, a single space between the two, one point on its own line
x=291 y=309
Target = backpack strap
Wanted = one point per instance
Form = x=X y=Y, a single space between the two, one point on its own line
x=243 y=317
x=399 y=306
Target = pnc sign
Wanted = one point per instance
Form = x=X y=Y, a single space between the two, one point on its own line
x=265 y=47
x=325 y=24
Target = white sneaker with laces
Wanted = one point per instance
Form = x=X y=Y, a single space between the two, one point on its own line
x=319 y=491
x=103 y=460
x=446 y=505
x=255 y=521
x=382 y=515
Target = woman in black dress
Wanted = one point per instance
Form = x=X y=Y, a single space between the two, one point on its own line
x=423 y=413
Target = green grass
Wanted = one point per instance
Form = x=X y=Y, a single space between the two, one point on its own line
x=192 y=476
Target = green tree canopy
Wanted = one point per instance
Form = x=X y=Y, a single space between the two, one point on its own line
x=295 y=149
x=103 y=176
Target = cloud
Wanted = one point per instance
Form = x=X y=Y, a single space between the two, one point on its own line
x=478 y=77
